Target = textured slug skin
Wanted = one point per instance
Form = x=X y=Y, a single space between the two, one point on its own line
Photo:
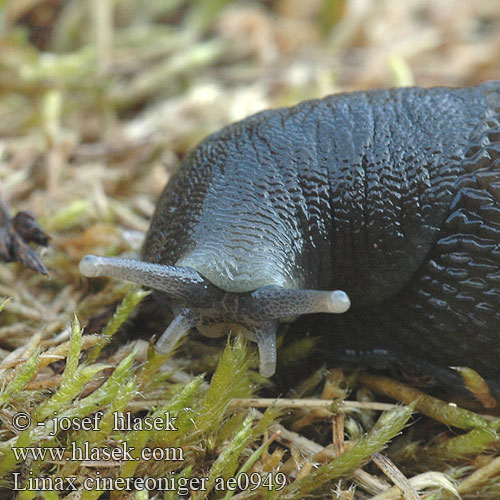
x=391 y=195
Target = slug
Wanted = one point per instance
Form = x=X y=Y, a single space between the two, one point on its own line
x=382 y=207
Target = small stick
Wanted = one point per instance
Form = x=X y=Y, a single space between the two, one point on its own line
x=308 y=403
x=396 y=476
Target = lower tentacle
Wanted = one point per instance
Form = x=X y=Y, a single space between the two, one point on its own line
x=265 y=334
x=179 y=327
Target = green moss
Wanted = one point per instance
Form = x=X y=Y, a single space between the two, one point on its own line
x=135 y=294
x=389 y=425
x=25 y=373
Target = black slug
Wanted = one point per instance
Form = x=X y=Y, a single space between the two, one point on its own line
x=386 y=201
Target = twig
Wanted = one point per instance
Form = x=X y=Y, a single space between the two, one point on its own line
x=309 y=403
x=396 y=476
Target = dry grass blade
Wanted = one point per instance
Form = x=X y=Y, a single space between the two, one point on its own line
x=439 y=410
x=396 y=476
x=478 y=386
x=438 y=483
x=477 y=479
x=310 y=403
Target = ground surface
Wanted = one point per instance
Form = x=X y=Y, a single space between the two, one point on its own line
x=99 y=101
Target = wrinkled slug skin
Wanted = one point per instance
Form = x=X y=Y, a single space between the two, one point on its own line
x=390 y=195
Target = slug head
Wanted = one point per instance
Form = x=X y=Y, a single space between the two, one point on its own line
x=198 y=303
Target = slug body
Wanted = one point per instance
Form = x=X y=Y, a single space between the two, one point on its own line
x=390 y=197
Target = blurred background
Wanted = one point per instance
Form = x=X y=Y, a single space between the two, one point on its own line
x=101 y=99
x=99 y=102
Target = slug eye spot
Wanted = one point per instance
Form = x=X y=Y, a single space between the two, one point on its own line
x=89 y=266
x=276 y=303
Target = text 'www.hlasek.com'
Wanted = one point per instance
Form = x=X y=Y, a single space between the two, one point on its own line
x=117 y=454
